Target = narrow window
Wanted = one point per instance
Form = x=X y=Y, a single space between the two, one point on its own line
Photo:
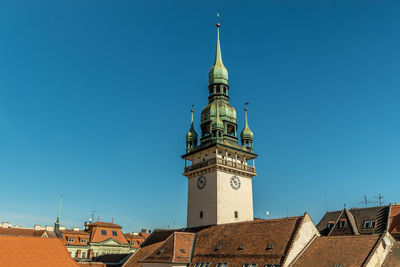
x=373 y=224
x=103 y=232
x=236 y=214
x=201 y=215
x=83 y=254
x=367 y=224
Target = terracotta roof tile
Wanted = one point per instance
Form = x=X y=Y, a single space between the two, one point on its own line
x=25 y=251
x=393 y=258
x=175 y=249
x=236 y=243
x=22 y=232
x=360 y=215
x=345 y=250
x=101 y=233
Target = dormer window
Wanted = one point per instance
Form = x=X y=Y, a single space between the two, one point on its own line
x=342 y=224
x=114 y=233
x=103 y=232
x=370 y=224
x=71 y=240
x=330 y=225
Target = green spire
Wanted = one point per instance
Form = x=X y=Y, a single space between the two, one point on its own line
x=246 y=135
x=191 y=136
x=57 y=224
x=218 y=73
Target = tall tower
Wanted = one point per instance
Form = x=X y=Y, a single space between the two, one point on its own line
x=218 y=170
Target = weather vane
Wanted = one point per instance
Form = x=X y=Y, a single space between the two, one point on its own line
x=218 y=19
x=245 y=105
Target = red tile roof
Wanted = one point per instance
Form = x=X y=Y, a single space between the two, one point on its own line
x=346 y=250
x=22 y=232
x=393 y=258
x=394 y=224
x=176 y=249
x=136 y=239
x=98 y=236
x=25 y=251
x=236 y=243
x=80 y=238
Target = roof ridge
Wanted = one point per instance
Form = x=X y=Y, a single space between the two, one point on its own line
x=374 y=207
x=293 y=237
x=349 y=236
x=352 y=221
x=372 y=251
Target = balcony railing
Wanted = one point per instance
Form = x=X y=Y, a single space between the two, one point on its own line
x=220 y=161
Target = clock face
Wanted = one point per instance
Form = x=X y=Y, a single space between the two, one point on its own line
x=201 y=182
x=235 y=182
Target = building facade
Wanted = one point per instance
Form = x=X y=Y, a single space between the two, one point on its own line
x=99 y=238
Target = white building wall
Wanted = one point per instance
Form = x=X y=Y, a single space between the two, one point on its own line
x=230 y=200
x=202 y=200
x=306 y=233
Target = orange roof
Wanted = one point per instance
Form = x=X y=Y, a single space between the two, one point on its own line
x=345 y=250
x=25 y=251
x=21 y=232
x=77 y=238
x=176 y=249
x=236 y=243
x=100 y=234
x=135 y=239
x=394 y=226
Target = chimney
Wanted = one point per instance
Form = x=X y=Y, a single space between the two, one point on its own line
x=5 y=225
x=37 y=227
x=90 y=253
x=49 y=228
x=149 y=231
x=143 y=231
x=62 y=228
x=76 y=229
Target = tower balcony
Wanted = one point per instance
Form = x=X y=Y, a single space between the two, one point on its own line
x=222 y=162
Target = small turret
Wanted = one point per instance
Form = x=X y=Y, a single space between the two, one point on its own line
x=191 y=136
x=246 y=136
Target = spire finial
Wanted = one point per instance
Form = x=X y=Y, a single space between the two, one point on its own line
x=191 y=111
x=218 y=73
x=245 y=114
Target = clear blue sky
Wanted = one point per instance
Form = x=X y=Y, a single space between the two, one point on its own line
x=95 y=99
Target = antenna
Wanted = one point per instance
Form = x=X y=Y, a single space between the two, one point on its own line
x=93 y=213
x=380 y=199
x=366 y=201
x=326 y=204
